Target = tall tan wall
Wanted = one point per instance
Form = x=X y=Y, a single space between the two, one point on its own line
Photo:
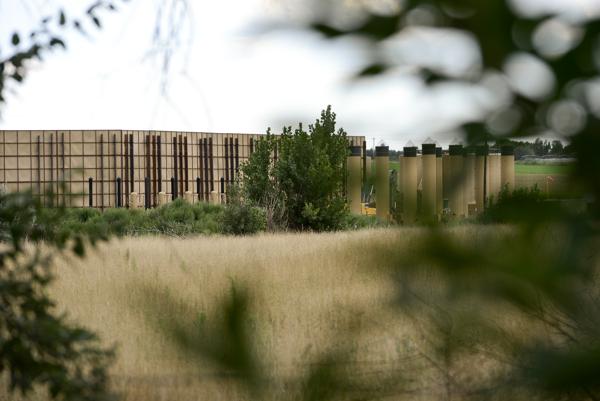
x=41 y=159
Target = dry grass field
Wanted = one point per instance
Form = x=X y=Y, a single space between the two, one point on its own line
x=310 y=294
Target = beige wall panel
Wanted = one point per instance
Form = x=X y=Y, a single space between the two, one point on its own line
x=10 y=137
x=89 y=136
x=76 y=136
x=24 y=175
x=11 y=186
x=12 y=175
x=89 y=148
x=76 y=162
x=90 y=161
x=10 y=149
x=24 y=161
x=10 y=162
x=24 y=149
x=76 y=149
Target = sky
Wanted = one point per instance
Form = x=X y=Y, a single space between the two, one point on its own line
x=228 y=75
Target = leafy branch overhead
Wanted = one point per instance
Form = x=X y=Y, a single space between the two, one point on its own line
x=47 y=37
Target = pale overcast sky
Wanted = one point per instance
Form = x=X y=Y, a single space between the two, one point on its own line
x=226 y=78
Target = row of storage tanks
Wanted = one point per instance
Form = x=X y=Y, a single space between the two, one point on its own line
x=458 y=181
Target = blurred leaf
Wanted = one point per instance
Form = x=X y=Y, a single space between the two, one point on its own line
x=57 y=42
x=373 y=69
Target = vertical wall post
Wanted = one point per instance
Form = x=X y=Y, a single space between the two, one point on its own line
x=90 y=192
x=147 y=190
x=159 y=151
x=212 y=171
x=118 y=192
x=173 y=189
x=186 y=163
x=131 y=164
x=226 y=159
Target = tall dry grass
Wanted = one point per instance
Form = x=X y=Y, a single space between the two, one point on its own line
x=309 y=292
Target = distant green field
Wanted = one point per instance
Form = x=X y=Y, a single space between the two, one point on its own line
x=548 y=169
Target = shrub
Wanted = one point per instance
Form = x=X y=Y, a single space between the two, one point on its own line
x=304 y=186
x=515 y=206
x=241 y=219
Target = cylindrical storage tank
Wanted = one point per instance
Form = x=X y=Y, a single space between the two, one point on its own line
x=469 y=182
x=494 y=179
x=446 y=167
x=428 y=194
x=354 y=179
x=481 y=154
x=456 y=199
x=409 y=184
x=507 y=175
x=382 y=182
x=439 y=195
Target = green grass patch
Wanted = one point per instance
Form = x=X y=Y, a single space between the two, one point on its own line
x=548 y=169
x=520 y=168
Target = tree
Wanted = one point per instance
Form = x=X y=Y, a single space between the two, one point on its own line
x=557 y=148
x=299 y=176
x=37 y=345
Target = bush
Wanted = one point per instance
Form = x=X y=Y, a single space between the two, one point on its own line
x=304 y=187
x=516 y=206
x=177 y=218
x=241 y=219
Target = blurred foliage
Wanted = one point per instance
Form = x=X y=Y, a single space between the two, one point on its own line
x=46 y=38
x=298 y=177
x=38 y=346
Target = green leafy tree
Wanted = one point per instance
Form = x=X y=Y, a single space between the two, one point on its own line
x=303 y=188
x=311 y=172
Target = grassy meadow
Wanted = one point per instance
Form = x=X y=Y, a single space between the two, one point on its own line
x=310 y=295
